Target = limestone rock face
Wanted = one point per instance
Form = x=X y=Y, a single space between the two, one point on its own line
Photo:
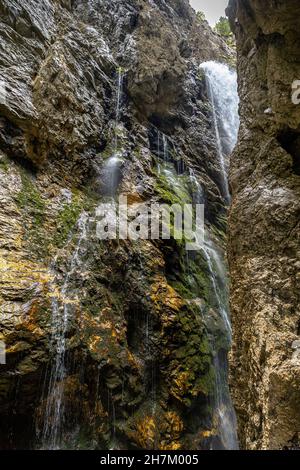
x=264 y=226
x=138 y=361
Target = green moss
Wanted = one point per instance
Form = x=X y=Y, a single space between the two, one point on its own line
x=66 y=220
x=192 y=280
x=33 y=208
x=175 y=192
x=121 y=70
x=182 y=289
x=4 y=165
x=206 y=383
x=30 y=201
x=107 y=152
x=201 y=74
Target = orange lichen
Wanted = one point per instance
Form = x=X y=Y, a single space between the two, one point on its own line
x=94 y=343
x=174 y=423
x=180 y=385
x=134 y=198
x=208 y=433
x=145 y=432
x=170 y=445
x=163 y=295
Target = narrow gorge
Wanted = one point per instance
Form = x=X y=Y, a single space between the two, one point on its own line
x=132 y=341
x=264 y=225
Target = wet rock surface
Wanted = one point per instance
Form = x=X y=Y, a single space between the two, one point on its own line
x=264 y=226
x=139 y=363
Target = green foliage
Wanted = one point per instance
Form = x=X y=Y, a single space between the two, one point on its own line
x=201 y=16
x=223 y=28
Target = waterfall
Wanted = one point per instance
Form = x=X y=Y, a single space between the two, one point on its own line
x=222 y=91
x=224 y=414
x=221 y=84
x=111 y=172
x=166 y=148
x=54 y=417
x=119 y=93
x=120 y=79
x=162 y=139
x=223 y=411
x=216 y=271
x=61 y=315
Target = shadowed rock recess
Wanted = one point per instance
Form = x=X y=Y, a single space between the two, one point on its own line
x=264 y=226
x=111 y=336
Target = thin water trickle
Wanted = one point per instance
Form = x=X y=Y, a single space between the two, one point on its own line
x=166 y=149
x=119 y=93
x=111 y=173
x=61 y=316
x=163 y=151
x=221 y=84
x=197 y=190
x=54 y=417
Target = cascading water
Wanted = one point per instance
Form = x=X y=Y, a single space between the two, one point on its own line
x=51 y=435
x=222 y=89
x=226 y=131
x=111 y=172
x=119 y=94
x=216 y=271
x=54 y=417
x=224 y=414
x=221 y=84
x=162 y=141
x=166 y=148
x=223 y=411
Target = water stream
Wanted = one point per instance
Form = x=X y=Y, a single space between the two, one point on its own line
x=51 y=434
x=61 y=316
x=224 y=419
x=221 y=84
x=222 y=90
x=111 y=171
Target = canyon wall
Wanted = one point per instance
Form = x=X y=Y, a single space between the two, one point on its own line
x=264 y=250
x=82 y=82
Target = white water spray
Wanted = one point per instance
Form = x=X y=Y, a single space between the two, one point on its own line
x=221 y=84
x=222 y=90
x=111 y=172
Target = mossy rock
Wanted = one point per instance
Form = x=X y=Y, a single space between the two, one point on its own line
x=66 y=220
x=30 y=200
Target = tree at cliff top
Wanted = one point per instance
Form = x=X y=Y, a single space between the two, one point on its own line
x=222 y=27
x=201 y=16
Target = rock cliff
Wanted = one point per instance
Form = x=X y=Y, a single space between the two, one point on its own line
x=264 y=226
x=82 y=80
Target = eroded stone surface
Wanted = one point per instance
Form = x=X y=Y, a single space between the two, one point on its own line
x=134 y=327
x=264 y=226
